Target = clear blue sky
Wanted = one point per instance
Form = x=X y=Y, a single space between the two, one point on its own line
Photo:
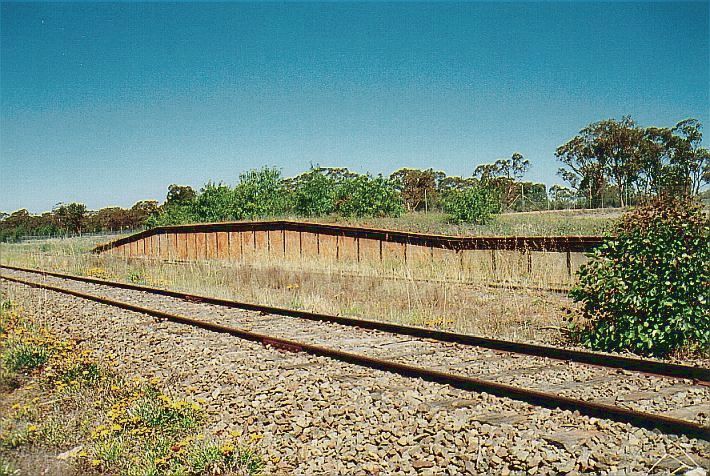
x=110 y=103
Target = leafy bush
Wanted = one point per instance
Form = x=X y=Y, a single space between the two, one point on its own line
x=314 y=194
x=214 y=203
x=474 y=204
x=647 y=289
x=260 y=193
x=176 y=214
x=365 y=195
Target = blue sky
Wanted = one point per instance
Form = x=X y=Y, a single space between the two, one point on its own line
x=109 y=103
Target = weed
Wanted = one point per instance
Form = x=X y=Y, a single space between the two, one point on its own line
x=136 y=278
x=20 y=356
x=108 y=451
x=7 y=468
x=162 y=412
x=85 y=372
x=15 y=435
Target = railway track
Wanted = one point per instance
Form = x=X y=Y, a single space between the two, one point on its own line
x=673 y=398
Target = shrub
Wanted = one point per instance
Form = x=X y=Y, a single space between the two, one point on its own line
x=214 y=203
x=314 y=194
x=260 y=193
x=474 y=204
x=647 y=289
x=173 y=214
x=365 y=195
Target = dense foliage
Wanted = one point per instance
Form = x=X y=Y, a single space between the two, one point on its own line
x=265 y=193
x=365 y=195
x=647 y=290
x=472 y=205
x=618 y=163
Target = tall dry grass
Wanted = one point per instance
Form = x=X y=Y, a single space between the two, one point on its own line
x=416 y=297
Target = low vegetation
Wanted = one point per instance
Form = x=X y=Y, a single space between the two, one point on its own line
x=648 y=289
x=62 y=407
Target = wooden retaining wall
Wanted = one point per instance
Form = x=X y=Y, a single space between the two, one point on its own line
x=423 y=255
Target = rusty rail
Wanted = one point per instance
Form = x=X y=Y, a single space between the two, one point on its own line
x=548 y=400
x=665 y=369
x=522 y=243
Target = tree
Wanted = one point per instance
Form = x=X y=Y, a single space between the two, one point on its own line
x=70 y=217
x=562 y=197
x=314 y=193
x=180 y=194
x=140 y=211
x=454 y=183
x=504 y=175
x=604 y=152
x=215 y=202
x=690 y=163
x=419 y=188
x=472 y=205
x=365 y=195
x=260 y=193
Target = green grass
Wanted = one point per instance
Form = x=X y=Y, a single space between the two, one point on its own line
x=18 y=356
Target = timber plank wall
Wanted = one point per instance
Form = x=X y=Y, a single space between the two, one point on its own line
x=300 y=241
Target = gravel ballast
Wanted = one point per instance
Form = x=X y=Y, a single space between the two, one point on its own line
x=313 y=415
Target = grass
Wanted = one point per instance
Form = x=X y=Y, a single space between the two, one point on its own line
x=21 y=356
x=508 y=313
x=544 y=223
x=103 y=423
x=437 y=294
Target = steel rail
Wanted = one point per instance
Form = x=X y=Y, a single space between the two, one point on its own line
x=665 y=369
x=534 y=397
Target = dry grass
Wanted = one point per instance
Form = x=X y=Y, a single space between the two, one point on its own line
x=383 y=294
x=543 y=223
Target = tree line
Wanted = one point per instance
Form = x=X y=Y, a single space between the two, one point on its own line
x=74 y=219
x=609 y=163
x=619 y=163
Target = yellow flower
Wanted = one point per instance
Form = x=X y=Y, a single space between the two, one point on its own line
x=227 y=448
x=31 y=427
x=95 y=462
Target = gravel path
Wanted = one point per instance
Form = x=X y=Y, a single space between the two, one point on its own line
x=660 y=395
x=314 y=415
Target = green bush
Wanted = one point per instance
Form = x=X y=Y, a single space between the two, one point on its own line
x=475 y=204
x=173 y=214
x=259 y=194
x=646 y=290
x=367 y=196
x=314 y=194
x=214 y=203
